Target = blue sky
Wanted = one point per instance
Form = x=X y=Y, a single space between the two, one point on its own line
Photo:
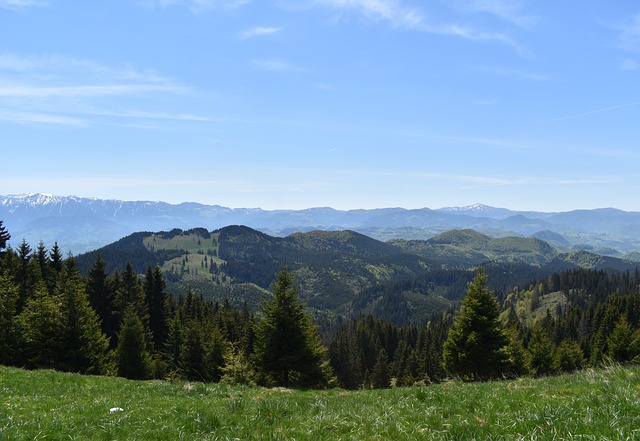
x=343 y=103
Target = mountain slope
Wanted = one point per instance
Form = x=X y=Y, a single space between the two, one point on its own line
x=83 y=224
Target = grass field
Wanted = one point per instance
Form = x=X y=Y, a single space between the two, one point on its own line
x=590 y=405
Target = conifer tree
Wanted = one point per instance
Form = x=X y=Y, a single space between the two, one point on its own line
x=9 y=296
x=40 y=327
x=474 y=349
x=156 y=297
x=540 y=351
x=288 y=350
x=4 y=238
x=132 y=357
x=623 y=344
x=84 y=345
x=101 y=295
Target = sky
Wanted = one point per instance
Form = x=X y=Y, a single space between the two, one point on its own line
x=291 y=104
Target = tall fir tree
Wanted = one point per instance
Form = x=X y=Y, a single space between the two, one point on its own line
x=84 y=346
x=4 y=238
x=9 y=296
x=288 y=349
x=474 y=349
x=101 y=295
x=132 y=357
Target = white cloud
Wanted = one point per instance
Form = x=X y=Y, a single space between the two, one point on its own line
x=21 y=4
x=275 y=65
x=525 y=75
x=507 y=10
x=56 y=89
x=258 y=32
x=629 y=64
x=39 y=118
x=81 y=91
x=392 y=11
x=628 y=33
x=197 y=6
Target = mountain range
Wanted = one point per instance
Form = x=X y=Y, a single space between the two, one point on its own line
x=81 y=224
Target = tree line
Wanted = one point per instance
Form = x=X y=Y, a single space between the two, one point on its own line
x=122 y=323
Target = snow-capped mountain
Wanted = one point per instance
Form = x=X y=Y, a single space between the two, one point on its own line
x=80 y=224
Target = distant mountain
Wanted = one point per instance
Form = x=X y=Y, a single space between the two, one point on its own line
x=82 y=224
x=342 y=273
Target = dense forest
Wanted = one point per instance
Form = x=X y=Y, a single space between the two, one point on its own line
x=125 y=322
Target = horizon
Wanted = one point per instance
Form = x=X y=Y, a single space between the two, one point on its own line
x=450 y=207
x=282 y=104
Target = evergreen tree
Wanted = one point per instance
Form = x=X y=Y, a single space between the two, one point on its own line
x=101 y=295
x=474 y=349
x=132 y=357
x=568 y=356
x=192 y=354
x=41 y=327
x=623 y=343
x=156 y=297
x=380 y=378
x=84 y=345
x=4 y=238
x=288 y=350
x=540 y=351
x=9 y=296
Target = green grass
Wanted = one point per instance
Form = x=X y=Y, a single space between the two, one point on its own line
x=591 y=405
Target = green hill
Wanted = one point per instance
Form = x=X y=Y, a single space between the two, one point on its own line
x=341 y=272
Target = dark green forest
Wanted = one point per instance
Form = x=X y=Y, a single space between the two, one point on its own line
x=95 y=314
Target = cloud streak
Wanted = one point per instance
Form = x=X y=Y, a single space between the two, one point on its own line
x=61 y=90
x=506 y=10
x=276 y=65
x=590 y=112
x=390 y=11
x=16 y=5
x=258 y=31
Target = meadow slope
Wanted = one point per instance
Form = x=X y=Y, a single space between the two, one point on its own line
x=589 y=405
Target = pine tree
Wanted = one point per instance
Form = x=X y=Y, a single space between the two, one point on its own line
x=132 y=357
x=623 y=343
x=540 y=351
x=156 y=297
x=101 y=295
x=84 y=345
x=4 y=238
x=9 y=296
x=474 y=349
x=380 y=378
x=288 y=348
x=40 y=328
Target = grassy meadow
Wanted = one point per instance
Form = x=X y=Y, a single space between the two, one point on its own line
x=589 y=405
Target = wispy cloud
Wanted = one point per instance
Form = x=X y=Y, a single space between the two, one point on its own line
x=276 y=65
x=197 y=6
x=590 y=112
x=81 y=91
x=507 y=10
x=401 y=16
x=21 y=4
x=391 y=11
x=628 y=64
x=40 y=118
x=505 y=72
x=258 y=31
x=57 y=89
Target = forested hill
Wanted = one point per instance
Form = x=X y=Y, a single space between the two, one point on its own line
x=342 y=272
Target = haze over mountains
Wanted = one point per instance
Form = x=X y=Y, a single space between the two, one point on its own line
x=81 y=224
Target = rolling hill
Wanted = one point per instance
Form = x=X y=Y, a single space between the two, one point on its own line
x=342 y=272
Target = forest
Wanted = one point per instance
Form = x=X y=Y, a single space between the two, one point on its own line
x=120 y=322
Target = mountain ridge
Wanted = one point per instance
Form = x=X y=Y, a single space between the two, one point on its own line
x=81 y=224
